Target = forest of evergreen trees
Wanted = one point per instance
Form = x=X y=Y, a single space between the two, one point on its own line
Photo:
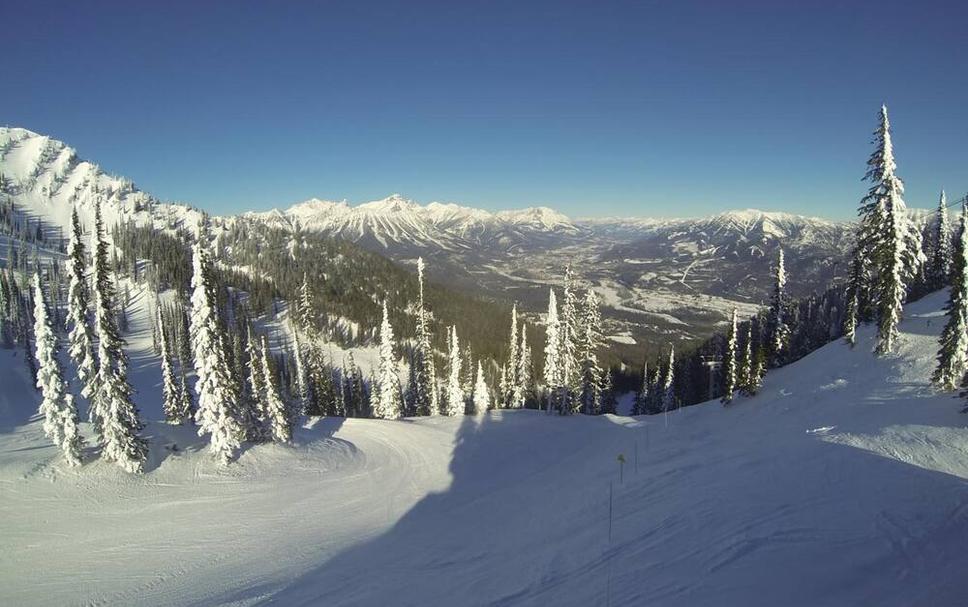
x=216 y=288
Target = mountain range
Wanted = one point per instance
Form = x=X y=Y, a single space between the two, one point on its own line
x=660 y=280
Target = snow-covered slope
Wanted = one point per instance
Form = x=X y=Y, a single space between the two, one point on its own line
x=46 y=179
x=842 y=483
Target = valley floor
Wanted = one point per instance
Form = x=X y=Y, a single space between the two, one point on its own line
x=843 y=482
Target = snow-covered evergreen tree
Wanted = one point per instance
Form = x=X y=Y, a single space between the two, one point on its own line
x=640 y=405
x=256 y=422
x=388 y=403
x=668 y=385
x=120 y=424
x=80 y=337
x=570 y=328
x=953 y=351
x=426 y=396
x=855 y=290
x=729 y=359
x=277 y=417
x=941 y=254
x=589 y=341
x=778 y=327
x=217 y=413
x=305 y=312
x=57 y=404
x=512 y=387
x=355 y=389
x=893 y=243
x=609 y=398
x=524 y=388
x=301 y=382
x=744 y=371
x=175 y=405
x=454 y=393
x=481 y=399
x=757 y=372
x=552 y=367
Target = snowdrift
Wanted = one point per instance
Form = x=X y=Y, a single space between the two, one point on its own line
x=843 y=482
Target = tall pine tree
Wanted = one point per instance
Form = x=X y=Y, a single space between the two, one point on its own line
x=729 y=359
x=453 y=393
x=176 y=406
x=778 y=327
x=217 y=413
x=120 y=425
x=953 y=351
x=552 y=368
x=277 y=417
x=80 y=338
x=426 y=397
x=941 y=254
x=388 y=403
x=57 y=405
x=481 y=399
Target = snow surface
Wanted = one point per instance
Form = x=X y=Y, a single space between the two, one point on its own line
x=843 y=482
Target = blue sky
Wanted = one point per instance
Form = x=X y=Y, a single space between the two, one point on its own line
x=595 y=108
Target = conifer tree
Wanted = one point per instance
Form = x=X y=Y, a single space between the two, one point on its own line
x=120 y=425
x=570 y=327
x=80 y=337
x=257 y=385
x=176 y=407
x=855 y=290
x=217 y=413
x=953 y=351
x=779 y=329
x=589 y=340
x=388 y=403
x=481 y=399
x=552 y=367
x=668 y=385
x=745 y=379
x=454 y=394
x=729 y=361
x=758 y=371
x=355 y=388
x=640 y=405
x=304 y=308
x=302 y=382
x=941 y=254
x=892 y=242
x=57 y=405
x=277 y=417
x=609 y=398
x=512 y=388
x=524 y=387
x=426 y=399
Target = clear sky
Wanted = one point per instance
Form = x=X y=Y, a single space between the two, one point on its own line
x=595 y=107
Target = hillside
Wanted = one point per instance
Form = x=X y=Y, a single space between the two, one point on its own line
x=843 y=482
x=660 y=281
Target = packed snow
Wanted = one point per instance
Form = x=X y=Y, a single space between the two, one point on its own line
x=842 y=482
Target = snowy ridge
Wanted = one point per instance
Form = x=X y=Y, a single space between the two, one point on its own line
x=398 y=221
x=46 y=179
x=842 y=482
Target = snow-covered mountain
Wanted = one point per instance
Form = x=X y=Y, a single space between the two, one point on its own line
x=731 y=253
x=45 y=178
x=660 y=279
x=396 y=224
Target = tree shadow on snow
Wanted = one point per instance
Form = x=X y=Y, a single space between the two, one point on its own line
x=464 y=546
x=440 y=536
